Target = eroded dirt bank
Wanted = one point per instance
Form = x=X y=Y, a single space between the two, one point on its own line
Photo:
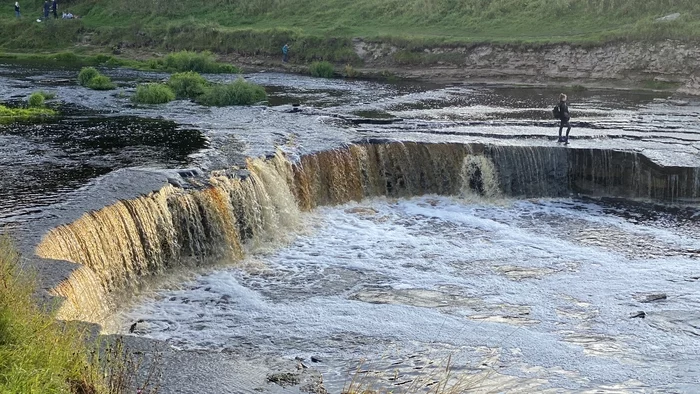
x=670 y=65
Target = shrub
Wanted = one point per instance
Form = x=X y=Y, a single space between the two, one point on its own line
x=153 y=93
x=201 y=62
x=187 y=85
x=86 y=74
x=36 y=100
x=321 y=69
x=240 y=92
x=92 y=79
x=101 y=82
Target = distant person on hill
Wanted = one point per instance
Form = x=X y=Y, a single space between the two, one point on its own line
x=285 y=53
x=54 y=9
x=17 y=14
x=563 y=118
x=47 y=7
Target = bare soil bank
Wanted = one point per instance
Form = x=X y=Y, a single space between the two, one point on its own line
x=666 y=65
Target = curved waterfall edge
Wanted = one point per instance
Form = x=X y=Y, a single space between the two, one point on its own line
x=223 y=217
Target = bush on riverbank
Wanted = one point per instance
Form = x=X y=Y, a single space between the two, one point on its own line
x=240 y=92
x=153 y=93
x=188 y=85
x=200 y=62
x=321 y=69
x=92 y=79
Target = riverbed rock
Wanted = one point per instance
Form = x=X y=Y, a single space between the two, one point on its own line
x=639 y=314
x=283 y=379
x=650 y=297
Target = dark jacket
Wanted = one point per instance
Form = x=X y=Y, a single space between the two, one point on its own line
x=54 y=5
x=16 y=8
x=564 y=111
x=47 y=6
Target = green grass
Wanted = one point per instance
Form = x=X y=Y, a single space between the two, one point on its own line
x=36 y=100
x=41 y=355
x=86 y=75
x=201 y=62
x=322 y=69
x=38 y=354
x=153 y=93
x=324 y=30
x=240 y=92
x=101 y=82
x=188 y=85
x=92 y=79
x=445 y=20
x=9 y=115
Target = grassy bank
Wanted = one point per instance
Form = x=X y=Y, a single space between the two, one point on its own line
x=41 y=355
x=323 y=30
x=37 y=353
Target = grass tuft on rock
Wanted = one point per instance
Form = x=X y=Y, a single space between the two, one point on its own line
x=153 y=93
x=36 y=100
x=101 y=82
x=188 y=85
x=86 y=74
x=240 y=92
x=92 y=79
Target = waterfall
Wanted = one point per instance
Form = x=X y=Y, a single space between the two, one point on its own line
x=244 y=210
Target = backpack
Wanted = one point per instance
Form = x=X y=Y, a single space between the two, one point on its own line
x=556 y=112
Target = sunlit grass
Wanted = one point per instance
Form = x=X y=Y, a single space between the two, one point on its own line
x=38 y=354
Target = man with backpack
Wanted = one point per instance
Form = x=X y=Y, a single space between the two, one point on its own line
x=561 y=112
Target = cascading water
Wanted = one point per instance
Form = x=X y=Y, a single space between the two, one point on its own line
x=172 y=227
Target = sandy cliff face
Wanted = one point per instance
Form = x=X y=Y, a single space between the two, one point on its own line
x=668 y=61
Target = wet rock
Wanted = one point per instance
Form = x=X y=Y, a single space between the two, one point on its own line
x=283 y=379
x=362 y=210
x=174 y=182
x=650 y=297
x=639 y=314
x=315 y=359
x=136 y=327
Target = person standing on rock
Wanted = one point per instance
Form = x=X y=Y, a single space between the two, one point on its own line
x=564 y=118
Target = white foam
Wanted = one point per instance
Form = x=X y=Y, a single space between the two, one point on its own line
x=551 y=281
